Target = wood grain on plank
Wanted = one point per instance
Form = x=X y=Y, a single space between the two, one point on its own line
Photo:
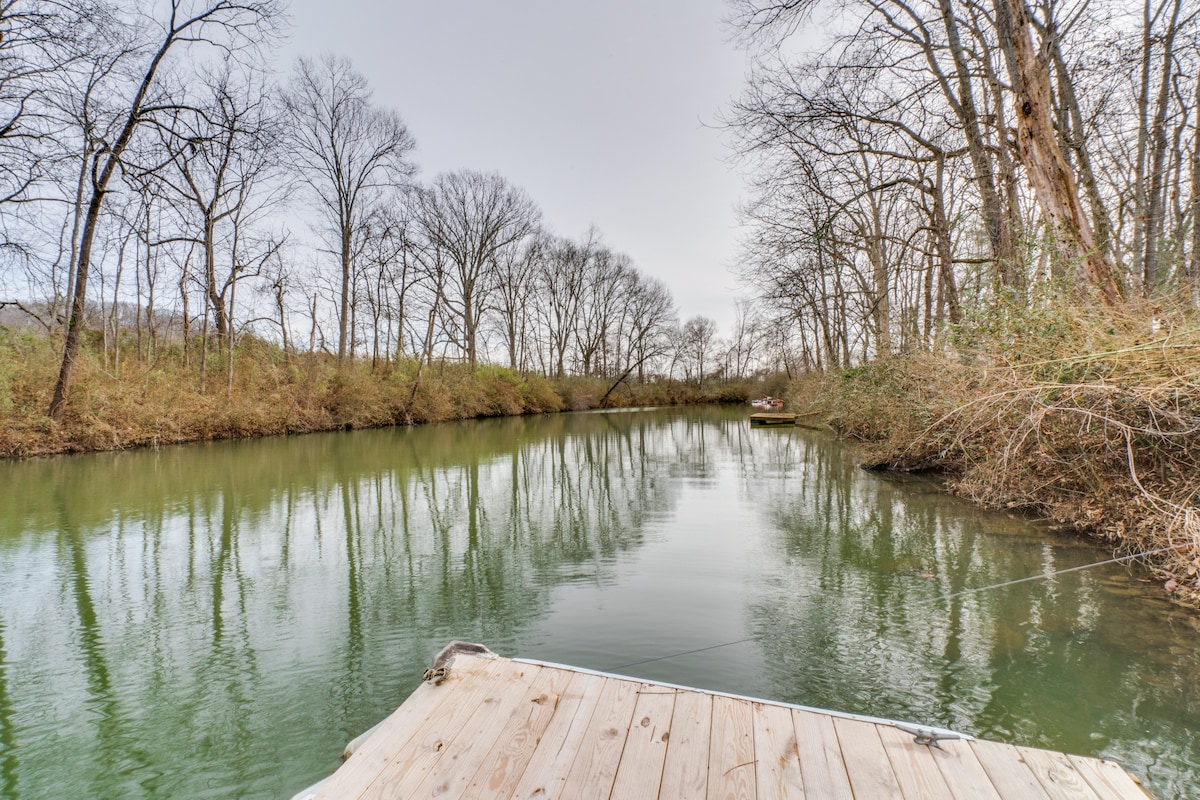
x=595 y=766
x=1009 y=773
x=777 y=773
x=639 y=774
x=393 y=736
x=731 y=767
x=547 y=770
x=685 y=771
x=1057 y=775
x=965 y=776
x=1116 y=780
x=494 y=721
x=443 y=735
x=498 y=773
x=498 y=728
x=821 y=764
x=867 y=762
x=914 y=765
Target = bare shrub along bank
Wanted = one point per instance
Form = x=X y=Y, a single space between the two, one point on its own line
x=1094 y=426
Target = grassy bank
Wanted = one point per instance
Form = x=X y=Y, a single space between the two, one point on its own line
x=1093 y=423
x=134 y=404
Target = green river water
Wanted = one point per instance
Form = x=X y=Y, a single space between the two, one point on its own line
x=218 y=620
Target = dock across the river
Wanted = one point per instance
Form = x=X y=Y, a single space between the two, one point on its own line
x=510 y=728
x=761 y=418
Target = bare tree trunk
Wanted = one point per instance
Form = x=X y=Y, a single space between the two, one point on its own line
x=1037 y=146
x=220 y=316
x=995 y=220
x=312 y=331
x=1194 y=268
x=75 y=321
x=78 y=220
x=947 y=288
x=283 y=329
x=204 y=351
x=1156 y=194
x=114 y=313
x=187 y=322
x=229 y=336
x=344 y=314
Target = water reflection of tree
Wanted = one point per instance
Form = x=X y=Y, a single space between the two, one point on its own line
x=231 y=605
x=8 y=739
x=863 y=615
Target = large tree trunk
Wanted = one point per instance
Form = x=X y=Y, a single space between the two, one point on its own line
x=1155 y=201
x=948 y=288
x=344 y=315
x=997 y=223
x=79 y=300
x=1076 y=142
x=220 y=315
x=1038 y=149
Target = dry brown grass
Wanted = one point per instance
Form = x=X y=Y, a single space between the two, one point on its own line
x=1097 y=428
x=138 y=405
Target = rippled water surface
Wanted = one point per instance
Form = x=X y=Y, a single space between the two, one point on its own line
x=218 y=620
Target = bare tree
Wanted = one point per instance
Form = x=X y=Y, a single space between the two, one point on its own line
x=474 y=217
x=650 y=317
x=696 y=341
x=347 y=151
x=39 y=40
x=221 y=158
x=225 y=24
x=515 y=285
x=561 y=272
x=1039 y=150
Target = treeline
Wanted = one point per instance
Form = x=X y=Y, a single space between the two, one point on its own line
x=924 y=163
x=162 y=194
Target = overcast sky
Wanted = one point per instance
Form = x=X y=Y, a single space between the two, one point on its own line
x=601 y=111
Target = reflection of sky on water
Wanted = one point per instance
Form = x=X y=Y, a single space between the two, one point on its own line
x=220 y=619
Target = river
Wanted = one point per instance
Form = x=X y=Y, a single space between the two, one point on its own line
x=217 y=620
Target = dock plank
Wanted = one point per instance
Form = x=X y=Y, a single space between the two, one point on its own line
x=553 y=756
x=914 y=765
x=867 y=762
x=685 y=772
x=1119 y=784
x=821 y=765
x=1057 y=775
x=777 y=774
x=499 y=728
x=502 y=768
x=731 y=751
x=492 y=726
x=640 y=772
x=435 y=754
x=965 y=776
x=595 y=766
x=1006 y=766
x=389 y=741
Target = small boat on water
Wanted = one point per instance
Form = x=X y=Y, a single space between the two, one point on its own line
x=483 y=726
x=767 y=403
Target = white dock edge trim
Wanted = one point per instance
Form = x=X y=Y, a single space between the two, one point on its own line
x=310 y=792
x=903 y=725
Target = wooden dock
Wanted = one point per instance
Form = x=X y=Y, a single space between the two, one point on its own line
x=762 y=418
x=508 y=728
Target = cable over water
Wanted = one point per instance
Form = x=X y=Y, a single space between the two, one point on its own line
x=930 y=601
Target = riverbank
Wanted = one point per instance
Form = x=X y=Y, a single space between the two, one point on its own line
x=1094 y=424
x=135 y=404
